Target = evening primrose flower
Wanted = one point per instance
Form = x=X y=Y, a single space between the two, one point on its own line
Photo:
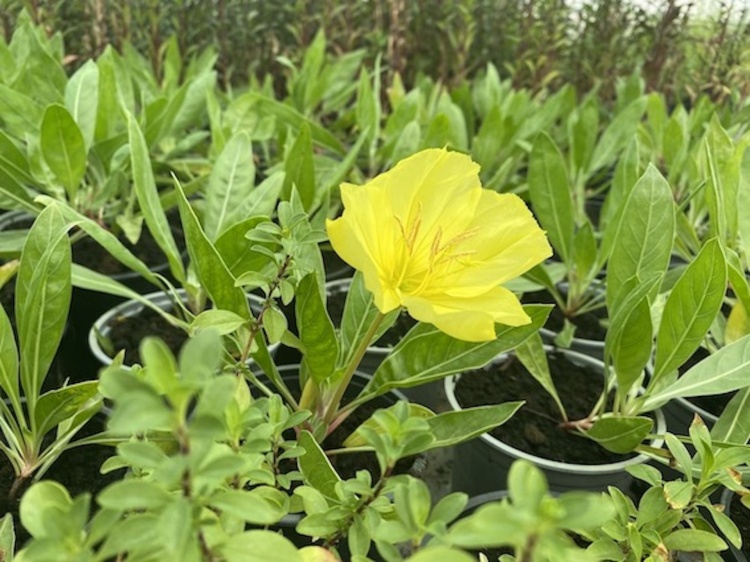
x=428 y=237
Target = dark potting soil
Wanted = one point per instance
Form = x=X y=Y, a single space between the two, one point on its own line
x=588 y=325
x=535 y=428
x=334 y=266
x=127 y=332
x=741 y=517
x=77 y=469
x=335 y=305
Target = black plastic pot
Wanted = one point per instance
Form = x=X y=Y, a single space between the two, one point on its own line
x=482 y=464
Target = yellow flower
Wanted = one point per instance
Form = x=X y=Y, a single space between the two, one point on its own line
x=426 y=236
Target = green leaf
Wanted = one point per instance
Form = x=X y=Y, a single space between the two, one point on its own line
x=550 y=194
x=43 y=290
x=8 y=359
x=232 y=177
x=678 y=494
x=441 y=554
x=19 y=113
x=63 y=148
x=82 y=99
x=723 y=371
x=316 y=331
x=733 y=425
x=691 y=307
x=56 y=406
x=451 y=428
x=211 y=269
x=690 y=540
x=259 y=546
x=645 y=233
x=41 y=505
x=15 y=174
x=7 y=538
x=533 y=356
x=126 y=495
x=620 y=434
x=426 y=354
x=223 y=321
x=316 y=467
x=300 y=169
x=261 y=506
x=148 y=199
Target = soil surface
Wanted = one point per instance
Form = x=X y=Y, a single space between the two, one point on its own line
x=535 y=428
x=335 y=305
x=127 y=332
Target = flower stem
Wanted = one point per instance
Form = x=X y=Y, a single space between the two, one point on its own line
x=333 y=405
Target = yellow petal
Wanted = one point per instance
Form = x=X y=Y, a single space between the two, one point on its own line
x=507 y=242
x=469 y=318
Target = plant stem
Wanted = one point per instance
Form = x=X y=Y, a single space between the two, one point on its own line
x=333 y=406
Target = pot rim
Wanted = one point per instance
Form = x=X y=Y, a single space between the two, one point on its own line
x=133 y=307
x=548 y=464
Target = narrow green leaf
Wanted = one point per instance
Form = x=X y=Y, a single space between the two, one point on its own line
x=316 y=468
x=550 y=194
x=56 y=406
x=63 y=148
x=8 y=358
x=689 y=540
x=691 y=307
x=148 y=199
x=43 y=290
x=645 y=233
x=451 y=428
x=300 y=169
x=618 y=134
x=427 y=354
x=211 y=269
x=232 y=178
x=532 y=355
x=82 y=99
x=733 y=425
x=316 y=331
x=620 y=434
x=723 y=371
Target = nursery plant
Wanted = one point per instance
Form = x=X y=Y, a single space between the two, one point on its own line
x=38 y=425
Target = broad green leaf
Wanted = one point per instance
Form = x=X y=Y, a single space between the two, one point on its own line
x=451 y=428
x=43 y=290
x=237 y=251
x=356 y=439
x=126 y=495
x=259 y=546
x=645 y=233
x=743 y=202
x=550 y=193
x=82 y=99
x=583 y=128
x=691 y=307
x=7 y=537
x=694 y=540
x=316 y=467
x=738 y=323
x=584 y=252
x=148 y=199
x=223 y=321
x=723 y=175
x=43 y=502
x=733 y=425
x=620 y=434
x=723 y=371
x=315 y=331
x=19 y=113
x=63 y=148
x=300 y=169
x=56 y=406
x=8 y=359
x=231 y=179
x=214 y=276
x=15 y=174
x=256 y=506
x=533 y=356
x=426 y=354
